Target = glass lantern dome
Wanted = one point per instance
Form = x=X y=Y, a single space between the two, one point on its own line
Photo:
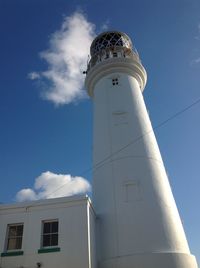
x=111 y=39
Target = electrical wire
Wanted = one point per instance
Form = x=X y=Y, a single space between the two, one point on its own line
x=132 y=142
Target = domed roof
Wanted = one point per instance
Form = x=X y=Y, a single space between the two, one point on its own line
x=110 y=39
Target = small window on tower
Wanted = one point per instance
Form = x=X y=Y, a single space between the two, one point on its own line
x=115 y=81
x=115 y=54
x=132 y=191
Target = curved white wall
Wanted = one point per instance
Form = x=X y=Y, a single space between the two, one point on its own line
x=132 y=195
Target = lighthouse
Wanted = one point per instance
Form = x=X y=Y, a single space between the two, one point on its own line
x=138 y=224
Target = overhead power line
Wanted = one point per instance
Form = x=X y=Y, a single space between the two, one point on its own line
x=133 y=141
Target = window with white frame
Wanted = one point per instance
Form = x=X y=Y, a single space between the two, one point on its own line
x=49 y=233
x=14 y=236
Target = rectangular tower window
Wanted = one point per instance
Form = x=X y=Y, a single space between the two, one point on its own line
x=14 y=238
x=120 y=118
x=50 y=233
x=115 y=81
x=132 y=191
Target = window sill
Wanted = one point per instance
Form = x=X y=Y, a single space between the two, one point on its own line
x=48 y=250
x=12 y=253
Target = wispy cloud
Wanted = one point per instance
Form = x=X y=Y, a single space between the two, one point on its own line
x=66 y=58
x=105 y=25
x=197 y=37
x=33 y=75
x=51 y=185
x=197 y=60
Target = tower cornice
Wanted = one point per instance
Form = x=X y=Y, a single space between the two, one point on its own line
x=131 y=66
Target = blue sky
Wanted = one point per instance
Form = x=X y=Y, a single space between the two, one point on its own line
x=50 y=138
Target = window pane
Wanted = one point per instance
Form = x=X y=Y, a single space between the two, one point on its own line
x=11 y=243
x=46 y=241
x=54 y=239
x=12 y=231
x=20 y=230
x=14 y=243
x=54 y=227
x=18 y=243
x=46 y=228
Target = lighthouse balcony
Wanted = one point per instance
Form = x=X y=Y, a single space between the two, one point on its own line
x=111 y=54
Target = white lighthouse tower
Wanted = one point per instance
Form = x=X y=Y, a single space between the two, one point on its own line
x=138 y=222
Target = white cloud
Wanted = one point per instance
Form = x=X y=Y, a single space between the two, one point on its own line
x=33 y=75
x=197 y=37
x=51 y=185
x=67 y=59
x=197 y=59
x=26 y=194
x=105 y=25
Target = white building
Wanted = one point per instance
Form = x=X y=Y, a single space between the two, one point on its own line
x=137 y=224
x=54 y=233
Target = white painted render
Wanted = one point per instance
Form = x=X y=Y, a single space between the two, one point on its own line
x=138 y=222
x=76 y=233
